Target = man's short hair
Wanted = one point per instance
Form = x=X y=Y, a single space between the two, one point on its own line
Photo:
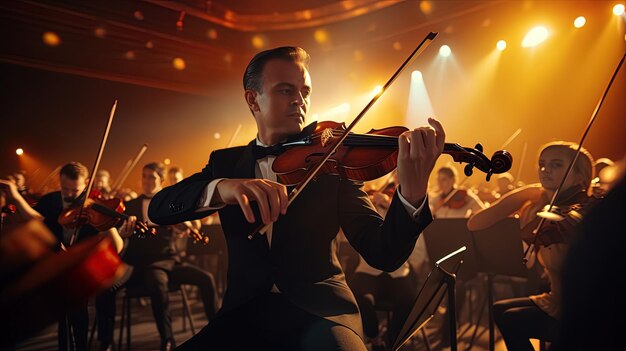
x=158 y=167
x=73 y=170
x=254 y=71
x=174 y=170
x=448 y=171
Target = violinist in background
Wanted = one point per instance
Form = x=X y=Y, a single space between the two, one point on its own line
x=602 y=181
x=286 y=289
x=174 y=175
x=537 y=316
x=154 y=264
x=505 y=183
x=102 y=182
x=73 y=178
x=451 y=201
x=14 y=206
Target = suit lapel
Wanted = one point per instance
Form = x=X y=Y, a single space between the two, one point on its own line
x=244 y=168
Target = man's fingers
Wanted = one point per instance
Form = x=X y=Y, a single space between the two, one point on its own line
x=244 y=203
x=405 y=147
x=440 y=132
x=260 y=195
x=273 y=198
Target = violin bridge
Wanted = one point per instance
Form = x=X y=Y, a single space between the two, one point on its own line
x=327 y=135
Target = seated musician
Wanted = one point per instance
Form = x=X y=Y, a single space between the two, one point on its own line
x=286 y=289
x=155 y=265
x=538 y=316
x=73 y=180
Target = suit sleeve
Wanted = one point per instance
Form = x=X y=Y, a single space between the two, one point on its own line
x=179 y=202
x=384 y=244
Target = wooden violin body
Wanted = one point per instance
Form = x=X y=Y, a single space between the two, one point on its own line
x=365 y=157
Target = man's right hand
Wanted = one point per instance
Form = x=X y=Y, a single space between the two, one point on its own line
x=271 y=197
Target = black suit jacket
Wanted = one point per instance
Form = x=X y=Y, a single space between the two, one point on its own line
x=153 y=251
x=302 y=261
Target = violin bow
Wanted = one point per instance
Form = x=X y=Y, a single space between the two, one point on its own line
x=335 y=145
x=105 y=136
x=128 y=169
x=547 y=214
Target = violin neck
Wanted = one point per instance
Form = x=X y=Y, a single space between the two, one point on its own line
x=108 y=211
x=376 y=140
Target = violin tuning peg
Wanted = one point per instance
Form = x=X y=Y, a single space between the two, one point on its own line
x=479 y=147
x=469 y=169
x=489 y=174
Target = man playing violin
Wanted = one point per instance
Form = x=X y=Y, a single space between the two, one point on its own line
x=73 y=180
x=286 y=289
x=155 y=266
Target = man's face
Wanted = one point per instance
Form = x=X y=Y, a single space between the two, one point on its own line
x=281 y=106
x=102 y=182
x=71 y=188
x=445 y=182
x=150 y=181
x=175 y=177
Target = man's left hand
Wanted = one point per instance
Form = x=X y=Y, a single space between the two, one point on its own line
x=419 y=149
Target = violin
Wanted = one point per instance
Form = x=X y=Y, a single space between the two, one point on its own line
x=102 y=214
x=560 y=221
x=195 y=234
x=365 y=157
x=457 y=199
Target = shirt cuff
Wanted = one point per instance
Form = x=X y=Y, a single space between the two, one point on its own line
x=206 y=201
x=414 y=212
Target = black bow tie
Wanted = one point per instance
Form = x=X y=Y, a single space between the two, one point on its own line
x=264 y=151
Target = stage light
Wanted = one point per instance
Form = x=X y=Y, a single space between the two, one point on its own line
x=377 y=89
x=19 y=151
x=212 y=34
x=217 y=135
x=259 y=42
x=178 y=63
x=618 y=9
x=426 y=7
x=130 y=55
x=51 y=39
x=535 y=36
x=419 y=106
x=167 y=161
x=580 y=21
x=445 y=51
x=321 y=36
x=138 y=15
x=149 y=44
x=501 y=45
x=100 y=32
x=397 y=46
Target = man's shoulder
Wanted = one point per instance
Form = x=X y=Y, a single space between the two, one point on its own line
x=228 y=152
x=50 y=198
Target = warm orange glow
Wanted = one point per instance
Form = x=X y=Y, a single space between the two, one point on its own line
x=212 y=34
x=129 y=55
x=580 y=21
x=19 y=152
x=178 y=63
x=167 y=161
x=321 y=36
x=618 y=9
x=535 y=36
x=259 y=42
x=100 y=32
x=397 y=46
x=217 y=135
x=51 y=39
x=426 y=7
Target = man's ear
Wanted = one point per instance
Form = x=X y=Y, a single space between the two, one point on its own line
x=250 y=96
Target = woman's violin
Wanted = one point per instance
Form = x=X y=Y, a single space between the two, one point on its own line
x=559 y=224
x=457 y=199
x=364 y=157
x=102 y=214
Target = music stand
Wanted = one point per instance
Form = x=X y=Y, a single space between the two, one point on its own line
x=439 y=282
x=498 y=250
x=445 y=235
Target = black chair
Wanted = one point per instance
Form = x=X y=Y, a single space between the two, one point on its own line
x=138 y=292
